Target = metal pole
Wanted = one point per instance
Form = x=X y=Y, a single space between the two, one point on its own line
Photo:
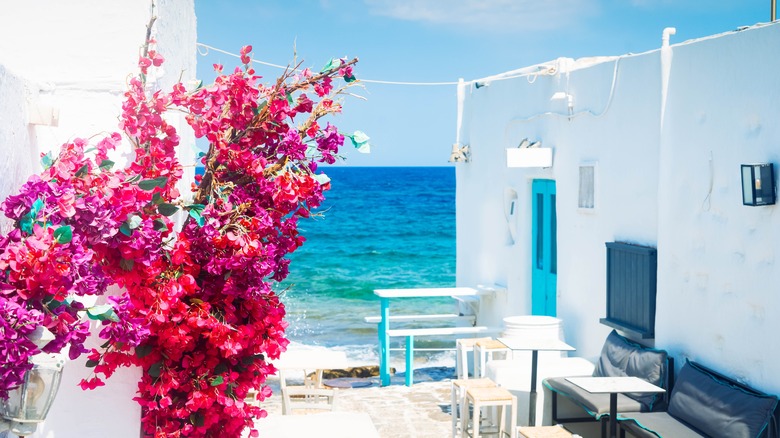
x=773 y=13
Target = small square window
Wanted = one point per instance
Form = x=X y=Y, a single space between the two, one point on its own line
x=587 y=186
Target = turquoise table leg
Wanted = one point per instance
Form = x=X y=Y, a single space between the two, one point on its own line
x=409 y=360
x=384 y=342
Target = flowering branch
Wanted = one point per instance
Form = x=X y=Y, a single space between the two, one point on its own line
x=197 y=311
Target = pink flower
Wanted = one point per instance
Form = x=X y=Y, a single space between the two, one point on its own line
x=245 y=55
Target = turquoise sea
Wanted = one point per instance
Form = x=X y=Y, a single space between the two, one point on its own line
x=381 y=227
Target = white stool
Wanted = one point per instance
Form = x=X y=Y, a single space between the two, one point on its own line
x=458 y=397
x=463 y=348
x=483 y=348
x=489 y=397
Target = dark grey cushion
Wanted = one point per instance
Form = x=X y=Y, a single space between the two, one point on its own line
x=656 y=424
x=622 y=357
x=717 y=407
x=595 y=404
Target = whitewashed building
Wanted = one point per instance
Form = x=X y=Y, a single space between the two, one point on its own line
x=644 y=149
x=64 y=67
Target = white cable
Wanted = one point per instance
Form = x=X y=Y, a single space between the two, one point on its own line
x=207 y=47
x=548 y=70
x=580 y=113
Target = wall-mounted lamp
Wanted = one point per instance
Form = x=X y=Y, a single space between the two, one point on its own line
x=758 y=184
x=29 y=404
x=460 y=154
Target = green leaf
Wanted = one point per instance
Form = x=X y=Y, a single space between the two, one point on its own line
x=197 y=419
x=125 y=229
x=47 y=160
x=154 y=370
x=102 y=312
x=157 y=199
x=249 y=360
x=26 y=224
x=160 y=225
x=106 y=165
x=198 y=207
x=134 y=221
x=221 y=368
x=216 y=381
x=142 y=351
x=332 y=64
x=52 y=305
x=350 y=78
x=126 y=265
x=195 y=214
x=36 y=208
x=132 y=179
x=91 y=363
x=150 y=184
x=166 y=209
x=82 y=171
x=260 y=107
x=63 y=234
x=322 y=178
x=290 y=100
x=359 y=137
x=360 y=142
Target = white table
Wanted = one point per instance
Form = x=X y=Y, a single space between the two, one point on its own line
x=614 y=386
x=385 y=295
x=534 y=345
x=326 y=424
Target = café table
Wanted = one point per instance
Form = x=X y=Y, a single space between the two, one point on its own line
x=614 y=386
x=534 y=345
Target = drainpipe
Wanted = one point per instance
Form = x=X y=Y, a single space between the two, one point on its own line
x=666 y=67
x=666 y=167
x=773 y=11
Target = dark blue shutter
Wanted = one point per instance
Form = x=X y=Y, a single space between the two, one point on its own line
x=631 y=288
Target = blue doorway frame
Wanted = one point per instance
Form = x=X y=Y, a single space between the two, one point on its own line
x=544 y=249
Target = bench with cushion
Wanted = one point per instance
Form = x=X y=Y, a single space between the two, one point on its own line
x=619 y=357
x=705 y=403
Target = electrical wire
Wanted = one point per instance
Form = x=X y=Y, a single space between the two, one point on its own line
x=583 y=112
x=203 y=50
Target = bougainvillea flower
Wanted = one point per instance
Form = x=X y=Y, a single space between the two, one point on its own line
x=193 y=307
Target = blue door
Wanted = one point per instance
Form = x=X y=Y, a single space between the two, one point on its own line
x=544 y=250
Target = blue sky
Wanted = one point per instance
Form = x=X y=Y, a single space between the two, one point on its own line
x=441 y=41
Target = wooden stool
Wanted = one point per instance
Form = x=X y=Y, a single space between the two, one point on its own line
x=458 y=397
x=463 y=347
x=543 y=432
x=490 y=397
x=482 y=348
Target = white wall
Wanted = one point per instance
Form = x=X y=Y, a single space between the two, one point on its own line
x=717 y=299
x=77 y=57
x=17 y=148
x=673 y=185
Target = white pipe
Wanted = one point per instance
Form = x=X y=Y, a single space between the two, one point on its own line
x=667 y=33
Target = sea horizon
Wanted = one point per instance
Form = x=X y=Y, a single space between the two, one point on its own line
x=381 y=227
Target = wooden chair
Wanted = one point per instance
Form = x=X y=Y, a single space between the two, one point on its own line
x=307 y=397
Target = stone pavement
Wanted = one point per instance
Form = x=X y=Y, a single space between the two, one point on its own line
x=398 y=411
